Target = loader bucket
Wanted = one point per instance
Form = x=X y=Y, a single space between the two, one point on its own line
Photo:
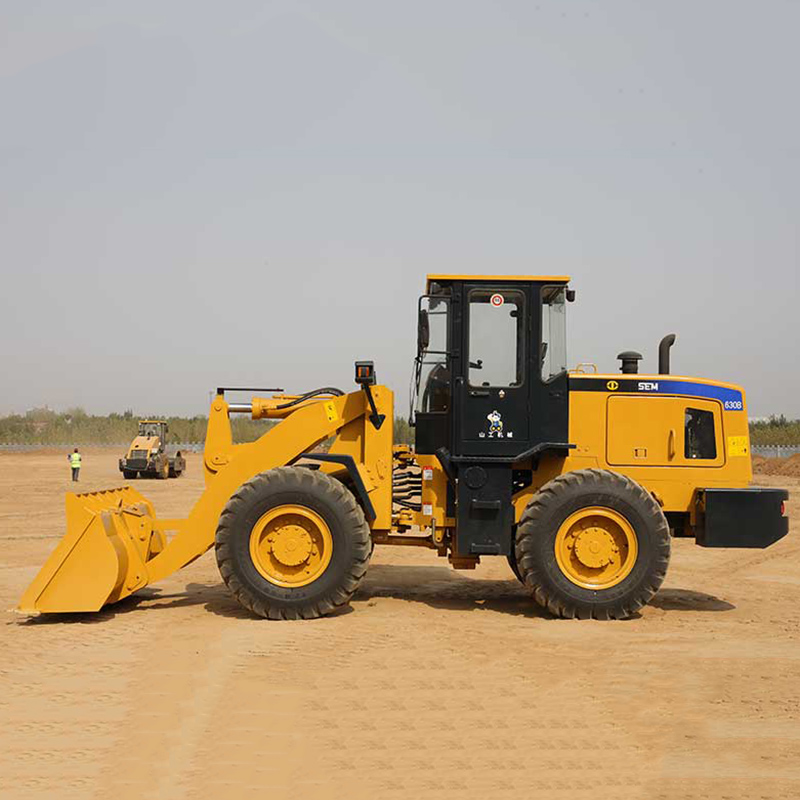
x=102 y=557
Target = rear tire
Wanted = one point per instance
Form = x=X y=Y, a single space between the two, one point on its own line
x=263 y=541
x=593 y=544
x=129 y=474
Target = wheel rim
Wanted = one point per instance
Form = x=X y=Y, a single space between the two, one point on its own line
x=596 y=548
x=291 y=546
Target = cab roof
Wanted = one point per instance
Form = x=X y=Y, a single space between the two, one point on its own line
x=503 y=278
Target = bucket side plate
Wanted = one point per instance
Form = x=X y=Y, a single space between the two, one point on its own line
x=92 y=562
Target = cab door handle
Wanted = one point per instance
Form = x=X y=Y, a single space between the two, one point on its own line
x=479 y=392
x=671 y=445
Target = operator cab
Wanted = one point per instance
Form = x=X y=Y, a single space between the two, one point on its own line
x=151 y=428
x=491 y=366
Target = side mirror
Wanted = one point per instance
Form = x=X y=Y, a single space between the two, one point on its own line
x=423 y=331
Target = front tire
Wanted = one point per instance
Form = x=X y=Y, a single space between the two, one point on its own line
x=512 y=562
x=292 y=543
x=593 y=544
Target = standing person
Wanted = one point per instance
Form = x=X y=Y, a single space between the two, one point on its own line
x=75 y=463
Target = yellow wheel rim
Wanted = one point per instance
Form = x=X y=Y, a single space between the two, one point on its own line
x=596 y=548
x=291 y=546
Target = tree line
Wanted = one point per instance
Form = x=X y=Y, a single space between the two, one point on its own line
x=775 y=430
x=77 y=427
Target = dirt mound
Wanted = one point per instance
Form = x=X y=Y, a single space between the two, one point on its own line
x=777 y=466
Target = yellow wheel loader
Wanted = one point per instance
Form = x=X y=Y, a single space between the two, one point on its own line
x=149 y=454
x=580 y=480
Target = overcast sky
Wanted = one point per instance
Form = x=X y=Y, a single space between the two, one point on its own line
x=247 y=192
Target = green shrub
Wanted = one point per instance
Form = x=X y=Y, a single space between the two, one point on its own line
x=775 y=430
x=76 y=427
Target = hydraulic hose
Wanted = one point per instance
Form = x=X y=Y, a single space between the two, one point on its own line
x=324 y=390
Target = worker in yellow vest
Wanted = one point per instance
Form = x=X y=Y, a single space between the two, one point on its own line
x=75 y=463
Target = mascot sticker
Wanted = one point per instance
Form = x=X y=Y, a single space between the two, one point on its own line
x=496 y=427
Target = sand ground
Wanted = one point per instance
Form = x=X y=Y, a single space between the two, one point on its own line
x=435 y=684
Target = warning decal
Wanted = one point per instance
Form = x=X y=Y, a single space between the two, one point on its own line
x=496 y=300
x=331 y=412
x=737 y=446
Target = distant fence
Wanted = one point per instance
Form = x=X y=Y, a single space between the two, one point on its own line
x=775 y=450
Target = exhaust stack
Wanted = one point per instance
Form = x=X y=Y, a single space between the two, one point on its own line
x=663 y=353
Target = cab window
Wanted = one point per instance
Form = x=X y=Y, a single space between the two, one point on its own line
x=553 y=353
x=432 y=371
x=699 y=435
x=496 y=327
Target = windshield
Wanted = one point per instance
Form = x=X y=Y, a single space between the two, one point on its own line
x=432 y=378
x=554 y=332
x=149 y=429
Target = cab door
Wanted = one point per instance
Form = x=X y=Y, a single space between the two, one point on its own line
x=493 y=391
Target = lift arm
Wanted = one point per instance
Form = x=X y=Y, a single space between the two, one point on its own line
x=115 y=545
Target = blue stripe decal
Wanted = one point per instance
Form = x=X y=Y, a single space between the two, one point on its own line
x=730 y=398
